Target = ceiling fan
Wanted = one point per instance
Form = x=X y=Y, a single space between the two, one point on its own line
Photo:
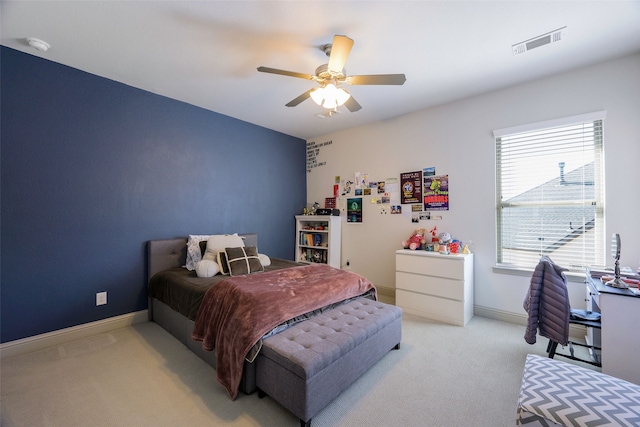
x=332 y=76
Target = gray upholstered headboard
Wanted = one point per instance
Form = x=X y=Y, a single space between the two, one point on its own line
x=171 y=253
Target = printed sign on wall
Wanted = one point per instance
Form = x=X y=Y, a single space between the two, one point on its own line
x=354 y=209
x=313 y=150
x=436 y=193
x=411 y=183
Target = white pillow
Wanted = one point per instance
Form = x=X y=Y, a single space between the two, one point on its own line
x=219 y=242
x=264 y=260
x=193 y=250
x=207 y=268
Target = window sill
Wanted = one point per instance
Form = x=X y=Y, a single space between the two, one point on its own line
x=572 y=276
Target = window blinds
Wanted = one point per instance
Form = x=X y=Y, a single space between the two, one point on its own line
x=550 y=195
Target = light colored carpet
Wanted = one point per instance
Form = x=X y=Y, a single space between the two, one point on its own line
x=141 y=376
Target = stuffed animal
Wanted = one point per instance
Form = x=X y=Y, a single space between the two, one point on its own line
x=444 y=240
x=434 y=234
x=416 y=240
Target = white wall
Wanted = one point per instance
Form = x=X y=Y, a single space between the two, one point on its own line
x=457 y=139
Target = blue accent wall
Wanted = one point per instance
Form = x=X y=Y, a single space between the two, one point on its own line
x=92 y=169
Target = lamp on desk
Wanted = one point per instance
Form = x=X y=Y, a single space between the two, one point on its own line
x=617 y=282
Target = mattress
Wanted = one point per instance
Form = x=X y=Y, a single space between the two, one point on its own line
x=183 y=291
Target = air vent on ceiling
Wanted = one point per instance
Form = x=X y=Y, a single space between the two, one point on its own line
x=552 y=37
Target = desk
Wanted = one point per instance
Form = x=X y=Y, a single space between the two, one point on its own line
x=620 y=333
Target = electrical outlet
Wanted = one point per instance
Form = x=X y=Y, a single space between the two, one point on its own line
x=101 y=298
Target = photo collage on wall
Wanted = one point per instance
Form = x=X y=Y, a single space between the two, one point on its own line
x=425 y=192
x=415 y=195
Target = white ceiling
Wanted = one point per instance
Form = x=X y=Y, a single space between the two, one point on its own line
x=206 y=53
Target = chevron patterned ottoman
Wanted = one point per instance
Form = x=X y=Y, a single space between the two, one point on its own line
x=556 y=393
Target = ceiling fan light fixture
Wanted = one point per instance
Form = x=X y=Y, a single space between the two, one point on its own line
x=329 y=96
x=342 y=96
x=317 y=95
x=330 y=103
x=332 y=74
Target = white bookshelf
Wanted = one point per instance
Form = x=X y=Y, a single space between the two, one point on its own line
x=318 y=239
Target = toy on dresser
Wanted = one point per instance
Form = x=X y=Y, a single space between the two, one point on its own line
x=442 y=242
x=444 y=239
x=416 y=240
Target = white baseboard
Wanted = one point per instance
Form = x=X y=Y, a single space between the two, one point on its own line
x=387 y=292
x=575 y=331
x=39 y=342
x=505 y=316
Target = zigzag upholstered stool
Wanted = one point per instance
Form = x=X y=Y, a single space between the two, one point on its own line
x=556 y=393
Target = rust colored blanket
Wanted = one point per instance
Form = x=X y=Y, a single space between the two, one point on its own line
x=238 y=311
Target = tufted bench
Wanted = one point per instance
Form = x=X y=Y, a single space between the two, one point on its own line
x=556 y=393
x=306 y=366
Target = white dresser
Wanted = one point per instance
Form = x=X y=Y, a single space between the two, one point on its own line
x=435 y=286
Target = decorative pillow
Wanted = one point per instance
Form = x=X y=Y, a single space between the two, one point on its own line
x=219 y=242
x=193 y=250
x=264 y=260
x=207 y=268
x=243 y=260
x=222 y=263
x=203 y=247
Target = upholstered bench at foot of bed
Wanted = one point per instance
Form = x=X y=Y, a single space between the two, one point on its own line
x=557 y=393
x=306 y=366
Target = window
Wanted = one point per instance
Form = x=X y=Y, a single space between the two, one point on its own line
x=549 y=183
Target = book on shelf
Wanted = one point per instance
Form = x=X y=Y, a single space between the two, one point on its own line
x=310 y=239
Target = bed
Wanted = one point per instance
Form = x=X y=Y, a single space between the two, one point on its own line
x=179 y=301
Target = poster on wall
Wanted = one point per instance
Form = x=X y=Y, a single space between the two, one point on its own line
x=354 y=209
x=393 y=190
x=346 y=187
x=411 y=183
x=436 y=193
x=362 y=180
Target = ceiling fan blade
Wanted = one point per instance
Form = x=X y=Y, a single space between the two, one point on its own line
x=352 y=105
x=299 y=99
x=285 y=73
x=340 y=50
x=377 y=79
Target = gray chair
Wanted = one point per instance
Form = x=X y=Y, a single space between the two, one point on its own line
x=550 y=314
x=583 y=318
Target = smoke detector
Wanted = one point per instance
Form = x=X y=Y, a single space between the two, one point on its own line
x=552 y=37
x=38 y=44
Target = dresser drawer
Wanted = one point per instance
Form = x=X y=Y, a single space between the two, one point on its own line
x=593 y=298
x=430 y=285
x=440 y=309
x=449 y=267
